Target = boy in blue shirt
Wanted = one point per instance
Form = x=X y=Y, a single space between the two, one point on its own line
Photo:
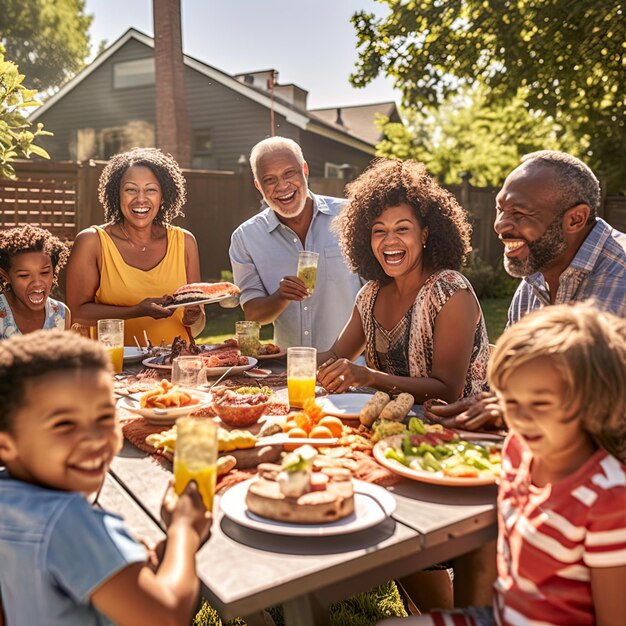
x=63 y=561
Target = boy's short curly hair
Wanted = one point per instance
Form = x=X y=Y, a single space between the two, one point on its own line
x=588 y=349
x=28 y=238
x=387 y=183
x=162 y=165
x=25 y=357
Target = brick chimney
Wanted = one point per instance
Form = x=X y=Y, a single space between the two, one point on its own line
x=172 y=121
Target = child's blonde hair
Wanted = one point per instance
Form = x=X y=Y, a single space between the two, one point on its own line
x=588 y=349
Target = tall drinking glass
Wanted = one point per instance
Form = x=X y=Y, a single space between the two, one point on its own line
x=301 y=373
x=188 y=371
x=195 y=456
x=307 y=269
x=247 y=333
x=111 y=336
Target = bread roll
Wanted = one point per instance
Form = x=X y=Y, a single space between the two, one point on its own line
x=370 y=412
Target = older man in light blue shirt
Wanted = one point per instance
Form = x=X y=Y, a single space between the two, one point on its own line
x=264 y=253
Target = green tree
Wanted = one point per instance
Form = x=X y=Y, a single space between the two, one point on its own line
x=569 y=57
x=466 y=134
x=48 y=39
x=16 y=140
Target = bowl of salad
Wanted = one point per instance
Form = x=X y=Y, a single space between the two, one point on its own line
x=435 y=454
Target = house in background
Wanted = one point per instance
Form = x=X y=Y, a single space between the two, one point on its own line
x=109 y=107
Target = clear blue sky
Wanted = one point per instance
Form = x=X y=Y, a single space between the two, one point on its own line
x=310 y=43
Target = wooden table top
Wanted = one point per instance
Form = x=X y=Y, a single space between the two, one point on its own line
x=244 y=570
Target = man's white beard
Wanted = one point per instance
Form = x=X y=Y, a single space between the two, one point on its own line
x=278 y=209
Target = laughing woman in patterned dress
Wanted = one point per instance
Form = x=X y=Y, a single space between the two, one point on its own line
x=418 y=318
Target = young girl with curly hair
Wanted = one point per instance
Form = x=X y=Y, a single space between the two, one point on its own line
x=417 y=318
x=30 y=261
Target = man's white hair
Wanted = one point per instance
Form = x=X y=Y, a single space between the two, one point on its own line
x=274 y=144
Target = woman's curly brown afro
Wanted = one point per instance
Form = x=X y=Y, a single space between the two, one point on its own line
x=387 y=183
x=163 y=166
x=31 y=239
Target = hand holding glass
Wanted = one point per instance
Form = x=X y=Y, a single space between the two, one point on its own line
x=195 y=457
x=301 y=372
x=307 y=269
x=111 y=336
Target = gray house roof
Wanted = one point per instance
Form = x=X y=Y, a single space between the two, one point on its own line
x=356 y=132
x=358 y=120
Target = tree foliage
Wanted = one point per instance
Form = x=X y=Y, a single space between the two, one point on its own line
x=16 y=138
x=48 y=39
x=466 y=134
x=568 y=57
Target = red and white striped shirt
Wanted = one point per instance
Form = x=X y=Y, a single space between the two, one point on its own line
x=550 y=537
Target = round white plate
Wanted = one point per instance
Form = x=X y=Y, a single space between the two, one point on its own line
x=346 y=405
x=434 y=478
x=149 y=362
x=372 y=505
x=163 y=417
x=267 y=357
x=177 y=305
x=133 y=354
x=218 y=371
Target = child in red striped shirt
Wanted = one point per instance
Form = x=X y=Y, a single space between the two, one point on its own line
x=560 y=374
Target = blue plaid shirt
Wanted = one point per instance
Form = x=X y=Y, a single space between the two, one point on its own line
x=598 y=271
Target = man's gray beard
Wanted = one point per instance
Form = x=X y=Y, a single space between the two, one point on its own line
x=278 y=209
x=540 y=252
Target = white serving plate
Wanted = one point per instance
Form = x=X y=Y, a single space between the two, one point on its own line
x=164 y=417
x=372 y=505
x=434 y=478
x=346 y=405
x=177 y=305
x=133 y=354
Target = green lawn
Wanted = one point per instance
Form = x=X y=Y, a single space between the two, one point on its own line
x=221 y=322
x=495 y=310
x=220 y=325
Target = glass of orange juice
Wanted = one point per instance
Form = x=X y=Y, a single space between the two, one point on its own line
x=301 y=371
x=111 y=336
x=195 y=456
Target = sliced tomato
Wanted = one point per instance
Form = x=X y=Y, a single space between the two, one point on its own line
x=432 y=439
x=416 y=440
x=447 y=435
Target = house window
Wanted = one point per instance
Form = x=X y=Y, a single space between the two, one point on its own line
x=202 y=142
x=332 y=170
x=113 y=141
x=133 y=73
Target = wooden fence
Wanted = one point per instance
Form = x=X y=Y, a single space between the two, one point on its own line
x=63 y=197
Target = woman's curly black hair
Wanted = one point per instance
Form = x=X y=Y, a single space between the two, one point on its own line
x=163 y=166
x=27 y=357
x=387 y=183
x=31 y=239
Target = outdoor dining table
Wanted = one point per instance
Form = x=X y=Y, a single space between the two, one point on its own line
x=243 y=570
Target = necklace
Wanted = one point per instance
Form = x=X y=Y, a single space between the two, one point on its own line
x=129 y=239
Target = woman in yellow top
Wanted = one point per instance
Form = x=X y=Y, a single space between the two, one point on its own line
x=123 y=268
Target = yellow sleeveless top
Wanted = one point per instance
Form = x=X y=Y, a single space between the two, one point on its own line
x=124 y=285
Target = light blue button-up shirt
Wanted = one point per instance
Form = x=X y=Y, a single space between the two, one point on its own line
x=263 y=250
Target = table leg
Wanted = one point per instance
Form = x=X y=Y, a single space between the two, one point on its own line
x=305 y=611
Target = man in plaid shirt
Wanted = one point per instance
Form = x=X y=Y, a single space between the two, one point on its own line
x=546 y=217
